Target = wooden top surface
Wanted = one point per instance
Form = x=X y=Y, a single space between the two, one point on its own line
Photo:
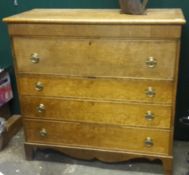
x=103 y=16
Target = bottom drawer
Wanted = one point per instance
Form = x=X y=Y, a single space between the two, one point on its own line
x=98 y=136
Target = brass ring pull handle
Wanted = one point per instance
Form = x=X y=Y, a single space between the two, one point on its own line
x=40 y=108
x=39 y=86
x=35 y=58
x=43 y=133
x=151 y=62
x=149 y=115
x=149 y=142
x=150 y=92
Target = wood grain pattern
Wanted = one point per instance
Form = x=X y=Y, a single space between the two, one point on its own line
x=97 y=136
x=93 y=69
x=130 y=114
x=96 y=57
x=100 y=16
x=104 y=89
x=97 y=30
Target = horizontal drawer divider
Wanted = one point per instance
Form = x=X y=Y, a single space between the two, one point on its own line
x=89 y=99
x=53 y=75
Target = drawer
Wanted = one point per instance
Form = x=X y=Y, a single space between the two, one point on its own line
x=96 y=57
x=98 y=136
x=103 y=112
x=106 y=89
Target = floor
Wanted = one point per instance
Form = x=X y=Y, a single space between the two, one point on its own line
x=12 y=162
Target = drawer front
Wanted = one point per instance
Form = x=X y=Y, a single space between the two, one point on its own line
x=97 y=136
x=96 y=57
x=97 y=112
x=106 y=89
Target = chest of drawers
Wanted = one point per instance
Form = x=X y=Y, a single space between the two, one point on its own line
x=97 y=83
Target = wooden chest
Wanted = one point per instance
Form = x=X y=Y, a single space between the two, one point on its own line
x=97 y=83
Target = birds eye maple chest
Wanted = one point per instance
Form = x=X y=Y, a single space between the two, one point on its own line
x=97 y=83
